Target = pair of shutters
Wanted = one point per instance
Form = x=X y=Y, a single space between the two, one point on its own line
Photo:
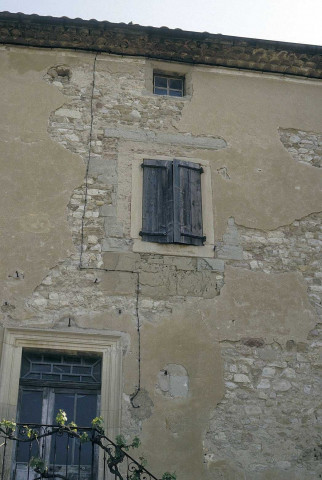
x=172 y=208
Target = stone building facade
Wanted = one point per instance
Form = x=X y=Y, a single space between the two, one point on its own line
x=211 y=352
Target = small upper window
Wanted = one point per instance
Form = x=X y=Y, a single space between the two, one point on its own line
x=167 y=85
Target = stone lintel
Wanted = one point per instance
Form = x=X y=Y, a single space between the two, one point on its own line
x=188 y=140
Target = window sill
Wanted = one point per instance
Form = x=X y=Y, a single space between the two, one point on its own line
x=185 y=98
x=173 y=249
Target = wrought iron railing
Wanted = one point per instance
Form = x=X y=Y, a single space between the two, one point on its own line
x=67 y=452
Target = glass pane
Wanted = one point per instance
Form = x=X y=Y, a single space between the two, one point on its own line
x=30 y=412
x=160 y=81
x=33 y=356
x=62 y=368
x=65 y=401
x=160 y=91
x=86 y=409
x=175 y=93
x=175 y=83
x=81 y=369
x=97 y=371
x=72 y=359
x=66 y=450
x=50 y=376
x=83 y=453
x=31 y=406
x=90 y=360
x=26 y=450
x=61 y=450
x=51 y=358
x=38 y=367
x=71 y=378
x=33 y=376
x=88 y=379
x=61 y=447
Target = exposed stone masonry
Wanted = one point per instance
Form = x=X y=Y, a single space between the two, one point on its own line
x=161 y=278
x=295 y=247
x=117 y=101
x=305 y=147
x=266 y=421
x=271 y=405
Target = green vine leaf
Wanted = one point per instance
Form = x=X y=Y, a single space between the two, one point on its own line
x=169 y=476
x=98 y=423
x=143 y=462
x=120 y=441
x=38 y=465
x=61 y=418
x=84 y=437
x=8 y=426
x=31 y=433
x=114 y=458
x=136 y=442
x=72 y=426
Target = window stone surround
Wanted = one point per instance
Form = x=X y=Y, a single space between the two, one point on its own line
x=110 y=347
x=207 y=250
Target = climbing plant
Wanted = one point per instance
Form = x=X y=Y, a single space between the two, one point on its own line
x=114 y=452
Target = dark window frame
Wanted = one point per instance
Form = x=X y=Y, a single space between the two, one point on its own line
x=30 y=358
x=167 y=89
x=49 y=391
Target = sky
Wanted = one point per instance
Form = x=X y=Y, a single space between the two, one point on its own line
x=298 y=21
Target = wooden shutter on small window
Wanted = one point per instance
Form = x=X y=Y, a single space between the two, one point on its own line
x=157 y=203
x=187 y=203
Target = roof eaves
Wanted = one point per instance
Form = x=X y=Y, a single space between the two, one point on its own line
x=161 y=43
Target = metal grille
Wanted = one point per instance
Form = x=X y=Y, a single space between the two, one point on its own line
x=60 y=368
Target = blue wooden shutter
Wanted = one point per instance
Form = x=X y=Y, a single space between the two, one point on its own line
x=187 y=203
x=157 y=204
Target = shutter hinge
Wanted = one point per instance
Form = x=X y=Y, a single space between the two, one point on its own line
x=153 y=234
x=190 y=235
x=143 y=165
x=190 y=167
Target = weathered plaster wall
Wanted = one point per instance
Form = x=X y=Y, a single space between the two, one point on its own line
x=235 y=328
x=37 y=176
x=265 y=188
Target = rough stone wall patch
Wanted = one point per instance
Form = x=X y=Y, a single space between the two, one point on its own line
x=304 y=147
